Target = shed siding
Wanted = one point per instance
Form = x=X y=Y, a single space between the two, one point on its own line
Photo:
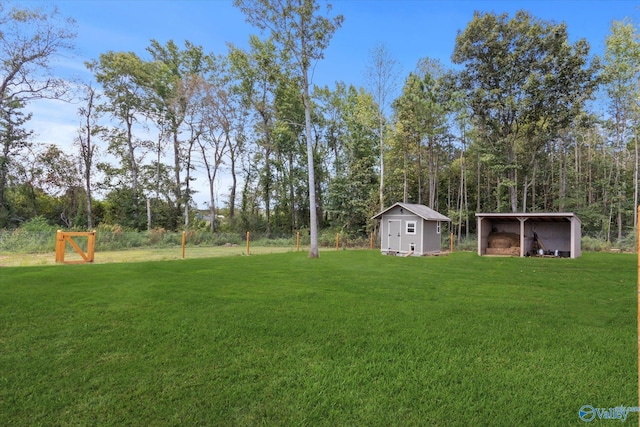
x=422 y=241
x=432 y=240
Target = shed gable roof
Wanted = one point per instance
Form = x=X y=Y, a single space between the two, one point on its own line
x=422 y=211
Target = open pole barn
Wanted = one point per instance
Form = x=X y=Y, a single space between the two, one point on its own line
x=529 y=234
x=410 y=229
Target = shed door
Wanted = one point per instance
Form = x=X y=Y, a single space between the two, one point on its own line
x=393 y=241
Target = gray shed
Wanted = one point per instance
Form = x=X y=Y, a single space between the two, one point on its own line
x=409 y=229
x=521 y=234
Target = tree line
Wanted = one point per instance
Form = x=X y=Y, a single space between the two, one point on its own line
x=526 y=122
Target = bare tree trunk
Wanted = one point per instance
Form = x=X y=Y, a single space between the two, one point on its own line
x=134 y=171
x=234 y=184
x=478 y=183
x=433 y=174
x=562 y=176
x=381 y=130
x=419 y=164
x=635 y=186
x=405 y=186
x=87 y=149
x=460 y=196
x=148 y=214
x=176 y=172
x=313 y=214
x=466 y=207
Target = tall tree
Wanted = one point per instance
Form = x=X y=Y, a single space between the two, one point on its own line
x=525 y=82
x=289 y=155
x=435 y=97
x=30 y=39
x=13 y=140
x=257 y=75
x=352 y=191
x=173 y=87
x=61 y=177
x=297 y=27
x=382 y=74
x=216 y=139
x=421 y=124
x=125 y=79
x=621 y=74
x=88 y=129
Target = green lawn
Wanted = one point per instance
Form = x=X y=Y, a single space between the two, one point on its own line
x=353 y=338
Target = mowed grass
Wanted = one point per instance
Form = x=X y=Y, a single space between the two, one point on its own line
x=15 y=259
x=352 y=338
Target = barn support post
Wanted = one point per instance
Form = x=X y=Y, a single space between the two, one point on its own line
x=522 y=221
x=479 y=236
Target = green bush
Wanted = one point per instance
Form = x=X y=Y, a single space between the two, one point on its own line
x=34 y=236
x=592 y=244
x=467 y=244
x=37 y=224
x=627 y=243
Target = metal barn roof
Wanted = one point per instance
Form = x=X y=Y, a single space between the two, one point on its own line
x=538 y=216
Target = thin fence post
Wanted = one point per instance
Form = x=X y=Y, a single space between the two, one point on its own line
x=337 y=240
x=59 y=246
x=638 y=254
x=91 y=246
x=184 y=242
x=371 y=241
x=248 y=239
x=451 y=242
x=298 y=241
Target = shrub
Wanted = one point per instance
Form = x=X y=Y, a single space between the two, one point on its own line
x=627 y=243
x=467 y=244
x=592 y=244
x=156 y=235
x=37 y=224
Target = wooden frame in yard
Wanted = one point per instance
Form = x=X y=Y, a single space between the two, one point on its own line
x=63 y=237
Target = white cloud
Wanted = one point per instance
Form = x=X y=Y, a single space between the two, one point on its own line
x=54 y=122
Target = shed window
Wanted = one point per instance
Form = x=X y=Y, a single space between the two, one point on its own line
x=411 y=227
x=438 y=227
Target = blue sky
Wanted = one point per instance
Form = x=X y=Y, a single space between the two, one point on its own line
x=410 y=30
